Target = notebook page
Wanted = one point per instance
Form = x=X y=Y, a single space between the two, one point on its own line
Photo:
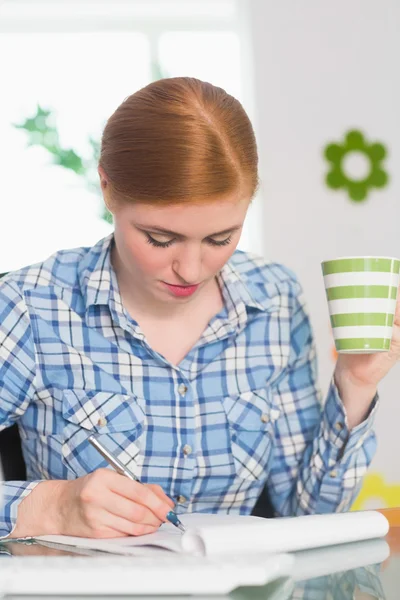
x=167 y=537
x=159 y=541
x=227 y=534
x=170 y=538
x=252 y=534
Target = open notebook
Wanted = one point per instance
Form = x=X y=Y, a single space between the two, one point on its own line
x=213 y=535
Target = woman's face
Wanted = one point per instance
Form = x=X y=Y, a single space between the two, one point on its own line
x=172 y=252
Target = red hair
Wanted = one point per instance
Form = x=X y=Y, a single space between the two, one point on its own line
x=179 y=140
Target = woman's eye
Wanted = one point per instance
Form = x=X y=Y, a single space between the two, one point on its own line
x=224 y=242
x=168 y=243
x=154 y=242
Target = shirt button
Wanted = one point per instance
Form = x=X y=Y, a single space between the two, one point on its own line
x=181 y=499
x=187 y=450
x=339 y=426
x=102 y=422
x=264 y=418
x=333 y=474
x=182 y=389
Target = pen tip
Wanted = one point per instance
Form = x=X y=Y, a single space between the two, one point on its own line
x=173 y=518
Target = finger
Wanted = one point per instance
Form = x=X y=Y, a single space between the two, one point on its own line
x=141 y=494
x=397 y=310
x=157 y=489
x=113 y=526
x=131 y=511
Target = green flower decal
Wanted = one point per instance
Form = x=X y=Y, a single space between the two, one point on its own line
x=355 y=145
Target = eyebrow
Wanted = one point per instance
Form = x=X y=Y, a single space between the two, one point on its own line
x=180 y=235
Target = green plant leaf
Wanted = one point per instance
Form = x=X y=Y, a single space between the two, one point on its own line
x=69 y=159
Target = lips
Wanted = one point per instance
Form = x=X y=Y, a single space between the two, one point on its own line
x=181 y=290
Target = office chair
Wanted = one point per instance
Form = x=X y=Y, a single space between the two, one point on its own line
x=12 y=461
x=14 y=469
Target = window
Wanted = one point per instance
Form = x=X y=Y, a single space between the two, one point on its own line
x=78 y=60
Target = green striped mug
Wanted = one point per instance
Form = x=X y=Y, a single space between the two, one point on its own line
x=361 y=293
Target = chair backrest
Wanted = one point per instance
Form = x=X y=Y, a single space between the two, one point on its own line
x=12 y=460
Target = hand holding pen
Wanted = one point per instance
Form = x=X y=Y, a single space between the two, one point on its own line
x=122 y=470
x=101 y=504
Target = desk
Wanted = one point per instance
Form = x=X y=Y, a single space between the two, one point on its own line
x=376 y=581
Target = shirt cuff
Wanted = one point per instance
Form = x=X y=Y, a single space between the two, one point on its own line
x=11 y=495
x=341 y=440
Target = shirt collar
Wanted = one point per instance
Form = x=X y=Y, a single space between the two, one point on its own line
x=236 y=290
x=96 y=276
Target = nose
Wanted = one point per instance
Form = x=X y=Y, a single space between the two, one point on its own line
x=187 y=264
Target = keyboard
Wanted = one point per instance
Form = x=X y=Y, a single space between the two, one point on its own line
x=120 y=575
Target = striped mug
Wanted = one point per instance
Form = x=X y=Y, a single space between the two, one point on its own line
x=361 y=293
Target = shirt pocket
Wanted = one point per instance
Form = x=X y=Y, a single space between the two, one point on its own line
x=251 y=417
x=119 y=422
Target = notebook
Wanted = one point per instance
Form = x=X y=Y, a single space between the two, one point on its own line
x=220 y=535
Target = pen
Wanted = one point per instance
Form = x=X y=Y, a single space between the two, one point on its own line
x=122 y=470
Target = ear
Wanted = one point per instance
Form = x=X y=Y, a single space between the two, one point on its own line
x=103 y=178
x=105 y=188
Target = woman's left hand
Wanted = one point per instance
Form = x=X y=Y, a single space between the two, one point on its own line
x=369 y=369
x=357 y=375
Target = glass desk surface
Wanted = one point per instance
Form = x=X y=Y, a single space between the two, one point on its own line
x=360 y=571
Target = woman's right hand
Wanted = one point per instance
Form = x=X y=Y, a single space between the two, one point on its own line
x=102 y=504
x=105 y=504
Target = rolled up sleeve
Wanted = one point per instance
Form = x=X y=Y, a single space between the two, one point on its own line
x=17 y=384
x=318 y=464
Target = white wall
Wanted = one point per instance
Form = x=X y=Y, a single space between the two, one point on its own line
x=321 y=69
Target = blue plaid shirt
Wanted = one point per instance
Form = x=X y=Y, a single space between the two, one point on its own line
x=242 y=410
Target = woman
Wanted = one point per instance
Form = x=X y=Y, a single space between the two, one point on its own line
x=194 y=362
